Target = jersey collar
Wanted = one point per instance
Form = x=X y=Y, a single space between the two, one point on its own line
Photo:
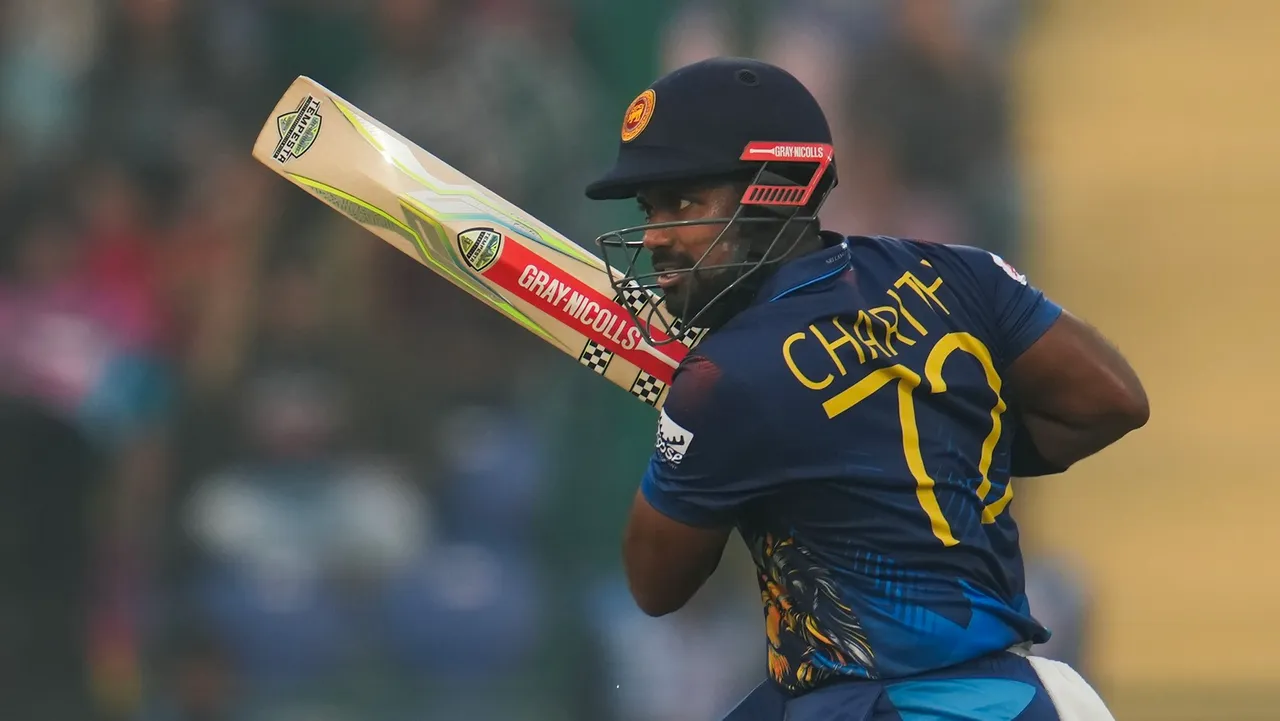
x=808 y=270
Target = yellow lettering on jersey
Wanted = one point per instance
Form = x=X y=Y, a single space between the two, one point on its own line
x=908 y=380
x=866 y=333
x=889 y=316
x=831 y=346
x=795 y=370
x=970 y=344
x=880 y=332
x=883 y=332
x=927 y=293
x=903 y=312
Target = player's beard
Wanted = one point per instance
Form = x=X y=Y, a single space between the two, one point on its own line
x=698 y=294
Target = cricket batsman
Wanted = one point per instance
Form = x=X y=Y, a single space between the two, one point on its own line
x=856 y=411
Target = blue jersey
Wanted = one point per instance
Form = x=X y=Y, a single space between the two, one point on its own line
x=852 y=424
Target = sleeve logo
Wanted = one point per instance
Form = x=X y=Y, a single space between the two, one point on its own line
x=673 y=440
x=1009 y=269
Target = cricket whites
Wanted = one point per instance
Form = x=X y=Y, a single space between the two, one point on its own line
x=483 y=244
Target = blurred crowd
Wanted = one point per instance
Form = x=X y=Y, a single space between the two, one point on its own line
x=255 y=464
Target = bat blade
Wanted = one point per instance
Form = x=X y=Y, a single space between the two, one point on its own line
x=477 y=240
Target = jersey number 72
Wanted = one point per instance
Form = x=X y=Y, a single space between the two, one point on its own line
x=908 y=382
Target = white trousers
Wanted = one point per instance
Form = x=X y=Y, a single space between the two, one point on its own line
x=1073 y=697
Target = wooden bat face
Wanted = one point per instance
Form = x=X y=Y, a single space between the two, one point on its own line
x=480 y=242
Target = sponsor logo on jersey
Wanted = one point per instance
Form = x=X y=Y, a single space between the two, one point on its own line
x=672 y=440
x=298 y=130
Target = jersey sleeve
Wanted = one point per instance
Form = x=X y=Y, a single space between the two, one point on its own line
x=698 y=474
x=1020 y=312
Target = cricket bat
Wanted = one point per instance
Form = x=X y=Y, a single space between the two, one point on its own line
x=485 y=245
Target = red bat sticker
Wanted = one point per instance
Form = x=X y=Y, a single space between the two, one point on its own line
x=549 y=288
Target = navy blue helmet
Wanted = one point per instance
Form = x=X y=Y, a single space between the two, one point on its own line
x=722 y=120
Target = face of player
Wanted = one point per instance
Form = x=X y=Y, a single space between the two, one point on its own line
x=676 y=250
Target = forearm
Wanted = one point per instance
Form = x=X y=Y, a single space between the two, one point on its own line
x=1060 y=444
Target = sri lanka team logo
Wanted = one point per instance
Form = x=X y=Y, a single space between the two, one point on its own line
x=637 y=116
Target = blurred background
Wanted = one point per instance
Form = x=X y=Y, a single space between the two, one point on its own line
x=257 y=465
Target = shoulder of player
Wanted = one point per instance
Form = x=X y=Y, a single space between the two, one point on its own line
x=709 y=377
x=866 y=246
x=702 y=366
x=943 y=257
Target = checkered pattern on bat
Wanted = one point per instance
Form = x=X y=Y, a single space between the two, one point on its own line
x=637 y=298
x=634 y=297
x=647 y=388
x=596 y=357
x=689 y=339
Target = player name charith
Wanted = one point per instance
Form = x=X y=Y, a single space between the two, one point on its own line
x=605 y=321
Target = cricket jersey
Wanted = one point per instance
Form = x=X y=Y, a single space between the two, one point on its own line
x=853 y=424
